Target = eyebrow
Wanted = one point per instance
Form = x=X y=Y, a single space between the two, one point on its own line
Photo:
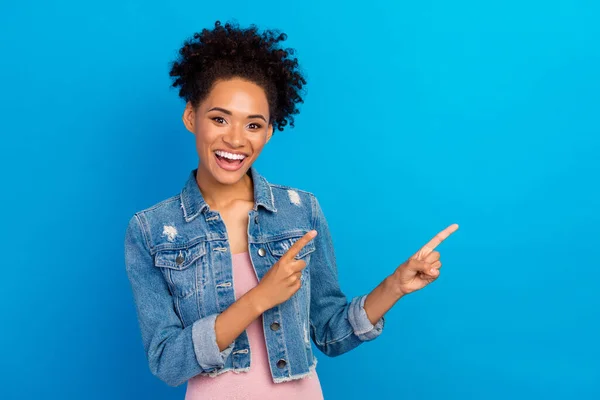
x=224 y=111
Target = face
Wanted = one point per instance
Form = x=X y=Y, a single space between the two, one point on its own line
x=231 y=128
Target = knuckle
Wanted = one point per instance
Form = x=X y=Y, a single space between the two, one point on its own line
x=289 y=271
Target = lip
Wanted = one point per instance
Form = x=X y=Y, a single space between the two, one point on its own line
x=228 y=167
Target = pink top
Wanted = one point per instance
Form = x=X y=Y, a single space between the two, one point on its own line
x=257 y=382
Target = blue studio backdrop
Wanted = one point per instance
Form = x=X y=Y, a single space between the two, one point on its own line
x=417 y=115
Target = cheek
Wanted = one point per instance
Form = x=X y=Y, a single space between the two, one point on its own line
x=259 y=142
x=205 y=137
x=257 y=148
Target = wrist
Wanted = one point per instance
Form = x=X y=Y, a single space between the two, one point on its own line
x=256 y=300
x=393 y=288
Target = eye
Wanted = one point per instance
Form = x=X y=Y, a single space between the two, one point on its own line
x=219 y=120
x=255 y=126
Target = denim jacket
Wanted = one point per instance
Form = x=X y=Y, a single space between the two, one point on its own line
x=178 y=263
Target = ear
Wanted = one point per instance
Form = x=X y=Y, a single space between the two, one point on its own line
x=189 y=117
x=269 y=133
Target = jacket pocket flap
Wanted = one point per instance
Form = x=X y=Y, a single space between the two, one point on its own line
x=179 y=258
x=280 y=247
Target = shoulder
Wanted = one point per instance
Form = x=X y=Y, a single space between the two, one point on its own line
x=167 y=205
x=290 y=199
x=145 y=220
x=292 y=195
x=166 y=209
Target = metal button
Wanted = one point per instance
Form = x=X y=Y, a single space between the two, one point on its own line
x=261 y=252
x=281 y=363
x=275 y=326
x=179 y=259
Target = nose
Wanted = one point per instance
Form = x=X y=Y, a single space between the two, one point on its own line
x=235 y=136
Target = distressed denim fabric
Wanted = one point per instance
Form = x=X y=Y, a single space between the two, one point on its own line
x=178 y=262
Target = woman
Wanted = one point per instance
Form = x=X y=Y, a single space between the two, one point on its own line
x=236 y=274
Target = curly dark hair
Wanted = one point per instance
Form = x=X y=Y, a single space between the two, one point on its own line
x=230 y=51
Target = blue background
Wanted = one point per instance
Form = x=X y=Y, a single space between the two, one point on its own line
x=417 y=116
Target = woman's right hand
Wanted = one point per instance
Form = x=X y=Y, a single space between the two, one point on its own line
x=282 y=280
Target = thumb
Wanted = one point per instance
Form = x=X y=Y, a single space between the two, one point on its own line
x=422 y=266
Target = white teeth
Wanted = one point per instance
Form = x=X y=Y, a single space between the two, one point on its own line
x=230 y=156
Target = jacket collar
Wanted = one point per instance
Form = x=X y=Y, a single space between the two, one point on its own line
x=192 y=202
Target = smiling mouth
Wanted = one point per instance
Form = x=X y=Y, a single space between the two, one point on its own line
x=228 y=164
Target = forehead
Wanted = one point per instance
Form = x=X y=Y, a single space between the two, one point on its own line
x=237 y=95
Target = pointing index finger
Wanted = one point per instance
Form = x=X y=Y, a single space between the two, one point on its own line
x=299 y=244
x=435 y=242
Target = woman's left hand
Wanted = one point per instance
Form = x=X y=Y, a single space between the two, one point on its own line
x=423 y=267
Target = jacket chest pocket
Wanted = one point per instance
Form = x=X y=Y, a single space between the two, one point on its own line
x=181 y=267
x=278 y=248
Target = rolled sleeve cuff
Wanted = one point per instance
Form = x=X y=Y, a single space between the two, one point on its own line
x=205 y=344
x=362 y=326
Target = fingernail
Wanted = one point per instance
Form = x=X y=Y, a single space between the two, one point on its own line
x=432 y=270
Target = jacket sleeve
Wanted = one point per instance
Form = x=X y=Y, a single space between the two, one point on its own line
x=337 y=326
x=174 y=353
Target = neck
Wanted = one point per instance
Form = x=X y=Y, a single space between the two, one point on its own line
x=218 y=195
